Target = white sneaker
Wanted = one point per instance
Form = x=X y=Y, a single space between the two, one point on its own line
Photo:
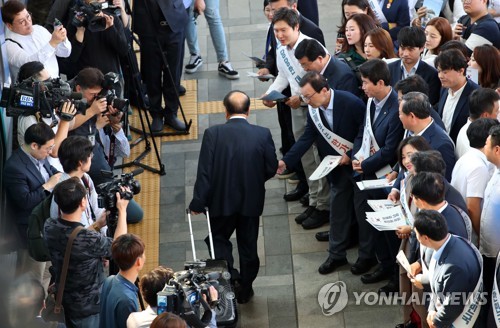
x=227 y=70
x=195 y=62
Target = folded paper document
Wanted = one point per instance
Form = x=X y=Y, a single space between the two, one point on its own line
x=387 y=219
x=326 y=166
x=374 y=184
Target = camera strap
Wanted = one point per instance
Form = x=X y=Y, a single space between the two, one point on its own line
x=87 y=186
x=9 y=39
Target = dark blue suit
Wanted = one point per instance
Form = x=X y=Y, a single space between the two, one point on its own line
x=388 y=131
x=23 y=184
x=398 y=14
x=455 y=222
x=427 y=72
x=348 y=112
x=457 y=270
x=236 y=159
x=461 y=112
x=309 y=8
x=341 y=77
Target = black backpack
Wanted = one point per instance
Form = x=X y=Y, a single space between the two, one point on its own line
x=36 y=245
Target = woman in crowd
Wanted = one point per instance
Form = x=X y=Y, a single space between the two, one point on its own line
x=406 y=149
x=356 y=28
x=168 y=320
x=397 y=15
x=486 y=59
x=378 y=44
x=349 y=8
x=437 y=32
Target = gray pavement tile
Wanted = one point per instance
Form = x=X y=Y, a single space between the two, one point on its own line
x=274 y=209
x=306 y=243
x=215 y=119
x=275 y=221
x=180 y=146
x=278 y=265
x=192 y=155
x=282 y=322
x=171 y=195
x=277 y=242
x=172 y=252
x=173 y=161
x=173 y=178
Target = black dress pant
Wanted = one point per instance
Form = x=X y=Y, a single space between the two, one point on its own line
x=247 y=231
x=156 y=75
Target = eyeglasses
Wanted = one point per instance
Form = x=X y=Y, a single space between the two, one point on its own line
x=306 y=99
x=48 y=149
x=25 y=20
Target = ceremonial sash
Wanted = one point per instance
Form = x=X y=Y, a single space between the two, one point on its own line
x=375 y=5
x=473 y=303
x=404 y=201
x=495 y=296
x=339 y=144
x=370 y=145
x=282 y=51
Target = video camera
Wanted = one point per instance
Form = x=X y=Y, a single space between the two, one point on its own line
x=86 y=15
x=110 y=79
x=183 y=295
x=30 y=97
x=106 y=191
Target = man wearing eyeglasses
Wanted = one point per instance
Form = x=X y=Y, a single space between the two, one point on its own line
x=28 y=179
x=27 y=42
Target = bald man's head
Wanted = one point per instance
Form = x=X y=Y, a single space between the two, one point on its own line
x=237 y=102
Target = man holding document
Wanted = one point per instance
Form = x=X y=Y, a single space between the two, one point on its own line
x=373 y=155
x=333 y=119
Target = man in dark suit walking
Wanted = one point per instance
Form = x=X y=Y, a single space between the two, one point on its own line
x=28 y=179
x=161 y=23
x=332 y=122
x=236 y=159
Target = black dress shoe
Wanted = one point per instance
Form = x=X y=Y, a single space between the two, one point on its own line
x=331 y=265
x=304 y=200
x=363 y=266
x=173 y=122
x=322 y=236
x=391 y=287
x=157 y=124
x=305 y=215
x=181 y=90
x=294 y=195
x=245 y=296
x=316 y=220
x=378 y=275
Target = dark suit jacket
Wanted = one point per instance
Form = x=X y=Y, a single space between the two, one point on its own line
x=427 y=72
x=23 y=183
x=236 y=159
x=348 y=113
x=461 y=113
x=306 y=27
x=388 y=131
x=148 y=23
x=398 y=14
x=309 y=8
x=457 y=270
x=341 y=77
x=453 y=196
x=455 y=222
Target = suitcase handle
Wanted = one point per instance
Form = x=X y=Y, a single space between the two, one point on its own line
x=211 y=241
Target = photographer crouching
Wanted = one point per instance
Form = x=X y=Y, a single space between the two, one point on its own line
x=85 y=272
x=102 y=101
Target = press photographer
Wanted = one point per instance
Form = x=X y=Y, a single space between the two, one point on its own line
x=90 y=82
x=97 y=36
x=37 y=98
x=85 y=271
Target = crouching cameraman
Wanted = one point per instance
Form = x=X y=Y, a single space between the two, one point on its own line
x=85 y=272
x=150 y=284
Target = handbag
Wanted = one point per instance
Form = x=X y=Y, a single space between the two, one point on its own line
x=54 y=310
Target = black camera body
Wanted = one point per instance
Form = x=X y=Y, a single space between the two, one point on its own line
x=30 y=97
x=86 y=16
x=111 y=79
x=107 y=191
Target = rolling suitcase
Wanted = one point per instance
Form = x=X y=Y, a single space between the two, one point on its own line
x=226 y=310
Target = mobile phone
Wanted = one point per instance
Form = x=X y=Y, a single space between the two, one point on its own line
x=57 y=23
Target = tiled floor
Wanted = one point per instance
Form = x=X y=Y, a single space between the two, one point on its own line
x=286 y=290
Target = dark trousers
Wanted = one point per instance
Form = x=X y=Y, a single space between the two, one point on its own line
x=367 y=233
x=341 y=215
x=285 y=121
x=156 y=75
x=247 y=231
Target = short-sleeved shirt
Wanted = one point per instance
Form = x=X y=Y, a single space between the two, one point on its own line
x=85 y=272
x=490 y=221
x=118 y=301
x=484 y=31
x=471 y=174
